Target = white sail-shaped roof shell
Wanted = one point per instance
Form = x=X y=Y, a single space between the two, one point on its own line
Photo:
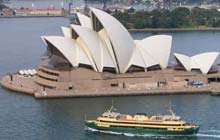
x=105 y=39
x=96 y=48
x=184 y=60
x=84 y=20
x=202 y=61
x=154 y=50
x=69 y=48
x=102 y=41
x=137 y=58
x=119 y=37
x=66 y=32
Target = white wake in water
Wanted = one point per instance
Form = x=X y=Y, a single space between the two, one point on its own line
x=160 y=136
x=208 y=135
x=211 y=130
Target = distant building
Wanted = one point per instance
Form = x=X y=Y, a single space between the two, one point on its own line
x=77 y=9
x=39 y=12
x=22 y=12
x=121 y=9
x=5 y=11
x=47 y=12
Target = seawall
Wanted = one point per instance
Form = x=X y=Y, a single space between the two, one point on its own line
x=29 y=87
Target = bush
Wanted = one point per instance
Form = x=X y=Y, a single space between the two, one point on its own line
x=177 y=18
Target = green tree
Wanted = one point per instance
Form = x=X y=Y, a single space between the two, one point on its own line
x=180 y=17
x=177 y=18
x=140 y=24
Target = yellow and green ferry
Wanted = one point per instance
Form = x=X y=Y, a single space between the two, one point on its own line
x=141 y=124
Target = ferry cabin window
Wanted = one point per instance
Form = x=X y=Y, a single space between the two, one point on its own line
x=144 y=114
x=158 y=118
x=110 y=117
x=186 y=124
x=121 y=117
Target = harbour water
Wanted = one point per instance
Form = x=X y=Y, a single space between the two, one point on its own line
x=23 y=117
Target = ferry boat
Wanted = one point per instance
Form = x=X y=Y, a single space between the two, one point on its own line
x=142 y=124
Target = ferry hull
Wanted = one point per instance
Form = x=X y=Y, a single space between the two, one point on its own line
x=142 y=131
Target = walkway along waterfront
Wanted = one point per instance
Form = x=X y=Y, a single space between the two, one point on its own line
x=25 y=85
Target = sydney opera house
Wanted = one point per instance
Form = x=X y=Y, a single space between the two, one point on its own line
x=98 y=57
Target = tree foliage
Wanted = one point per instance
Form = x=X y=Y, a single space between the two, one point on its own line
x=177 y=18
